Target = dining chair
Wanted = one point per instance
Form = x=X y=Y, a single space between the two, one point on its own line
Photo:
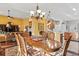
x=66 y=46
x=18 y=45
x=63 y=51
x=23 y=45
x=22 y=51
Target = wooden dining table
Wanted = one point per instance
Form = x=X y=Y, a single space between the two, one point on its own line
x=40 y=44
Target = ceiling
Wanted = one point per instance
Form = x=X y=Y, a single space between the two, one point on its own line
x=59 y=11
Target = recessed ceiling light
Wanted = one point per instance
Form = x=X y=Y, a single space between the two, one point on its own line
x=74 y=9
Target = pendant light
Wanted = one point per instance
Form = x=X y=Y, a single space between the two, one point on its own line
x=8 y=14
x=9 y=17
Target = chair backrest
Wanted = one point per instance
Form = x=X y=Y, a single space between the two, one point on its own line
x=18 y=44
x=51 y=36
x=21 y=45
x=67 y=42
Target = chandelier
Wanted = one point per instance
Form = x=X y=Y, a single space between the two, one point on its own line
x=38 y=13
